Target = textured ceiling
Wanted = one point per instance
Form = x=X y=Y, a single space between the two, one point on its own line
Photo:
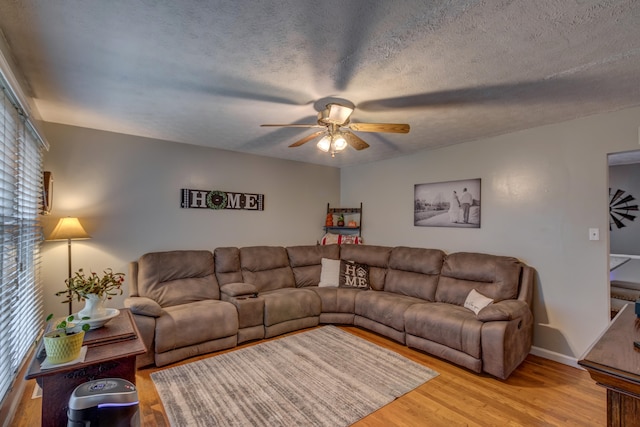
x=210 y=72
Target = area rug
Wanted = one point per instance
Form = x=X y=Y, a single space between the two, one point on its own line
x=322 y=377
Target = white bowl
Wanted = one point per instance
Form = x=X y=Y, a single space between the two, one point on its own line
x=96 y=323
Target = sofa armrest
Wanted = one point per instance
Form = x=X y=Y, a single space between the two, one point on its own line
x=143 y=306
x=503 y=310
x=239 y=289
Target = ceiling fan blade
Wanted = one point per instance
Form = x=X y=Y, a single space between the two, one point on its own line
x=307 y=138
x=380 y=127
x=295 y=126
x=355 y=141
x=519 y=92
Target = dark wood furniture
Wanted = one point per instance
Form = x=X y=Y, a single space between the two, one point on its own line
x=614 y=363
x=111 y=353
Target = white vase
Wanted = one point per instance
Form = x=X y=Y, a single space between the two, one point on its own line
x=93 y=307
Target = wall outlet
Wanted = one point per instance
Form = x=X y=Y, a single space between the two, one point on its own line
x=594 y=234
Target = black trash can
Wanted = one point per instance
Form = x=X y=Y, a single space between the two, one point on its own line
x=109 y=402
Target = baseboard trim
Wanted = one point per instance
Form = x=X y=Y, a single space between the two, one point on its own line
x=556 y=357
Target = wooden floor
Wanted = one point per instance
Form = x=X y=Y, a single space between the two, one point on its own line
x=539 y=393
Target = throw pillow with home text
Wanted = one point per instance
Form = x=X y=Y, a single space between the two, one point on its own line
x=354 y=275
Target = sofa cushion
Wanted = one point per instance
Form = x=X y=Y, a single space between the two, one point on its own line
x=504 y=311
x=194 y=323
x=281 y=305
x=376 y=257
x=177 y=277
x=354 y=275
x=337 y=300
x=311 y=254
x=476 y=301
x=384 y=307
x=496 y=277
x=450 y=325
x=305 y=262
x=227 y=262
x=267 y=267
x=143 y=306
x=238 y=289
x=330 y=272
x=414 y=272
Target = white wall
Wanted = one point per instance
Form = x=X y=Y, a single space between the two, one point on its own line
x=542 y=189
x=126 y=192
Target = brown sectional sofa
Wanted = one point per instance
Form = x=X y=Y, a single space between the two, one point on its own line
x=187 y=303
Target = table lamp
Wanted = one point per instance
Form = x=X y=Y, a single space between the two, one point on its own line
x=68 y=229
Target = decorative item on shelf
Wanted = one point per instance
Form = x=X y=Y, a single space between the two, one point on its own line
x=329 y=221
x=64 y=343
x=347 y=221
x=68 y=229
x=94 y=290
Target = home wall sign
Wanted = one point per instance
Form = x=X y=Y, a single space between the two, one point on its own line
x=215 y=199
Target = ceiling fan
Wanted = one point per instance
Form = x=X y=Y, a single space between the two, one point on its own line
x=336 y=129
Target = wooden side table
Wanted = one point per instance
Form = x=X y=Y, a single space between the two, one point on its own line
x=614 y=363
x=111 y=353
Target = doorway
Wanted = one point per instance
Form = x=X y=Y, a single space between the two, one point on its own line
x=624 y=228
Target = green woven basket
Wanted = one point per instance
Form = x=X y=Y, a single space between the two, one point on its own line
x=63 y=349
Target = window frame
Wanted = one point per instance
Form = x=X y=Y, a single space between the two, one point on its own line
x=21 y=293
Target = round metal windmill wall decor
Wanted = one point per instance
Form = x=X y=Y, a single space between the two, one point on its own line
x=620 y=208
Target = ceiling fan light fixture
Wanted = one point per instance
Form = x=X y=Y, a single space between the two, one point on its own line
x=335 y=134
x=335 y=114
x=339 y=143
x=338 y=114
x=325 y=143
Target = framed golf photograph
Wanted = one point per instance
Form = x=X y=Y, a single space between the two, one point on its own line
x=447 y=204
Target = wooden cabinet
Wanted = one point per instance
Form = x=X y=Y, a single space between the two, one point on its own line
x=111 y=353
x=349 y=214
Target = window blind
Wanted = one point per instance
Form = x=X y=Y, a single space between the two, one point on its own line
x=21 y=301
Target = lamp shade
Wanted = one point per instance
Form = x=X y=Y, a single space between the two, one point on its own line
x=68 y=229
x=325 y=143
x=339 y=114
x=339 y=143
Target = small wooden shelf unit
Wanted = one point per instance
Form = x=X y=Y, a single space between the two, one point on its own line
x=350 y=214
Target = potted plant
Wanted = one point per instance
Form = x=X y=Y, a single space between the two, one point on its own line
x=64 y=343
x=95 y=290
